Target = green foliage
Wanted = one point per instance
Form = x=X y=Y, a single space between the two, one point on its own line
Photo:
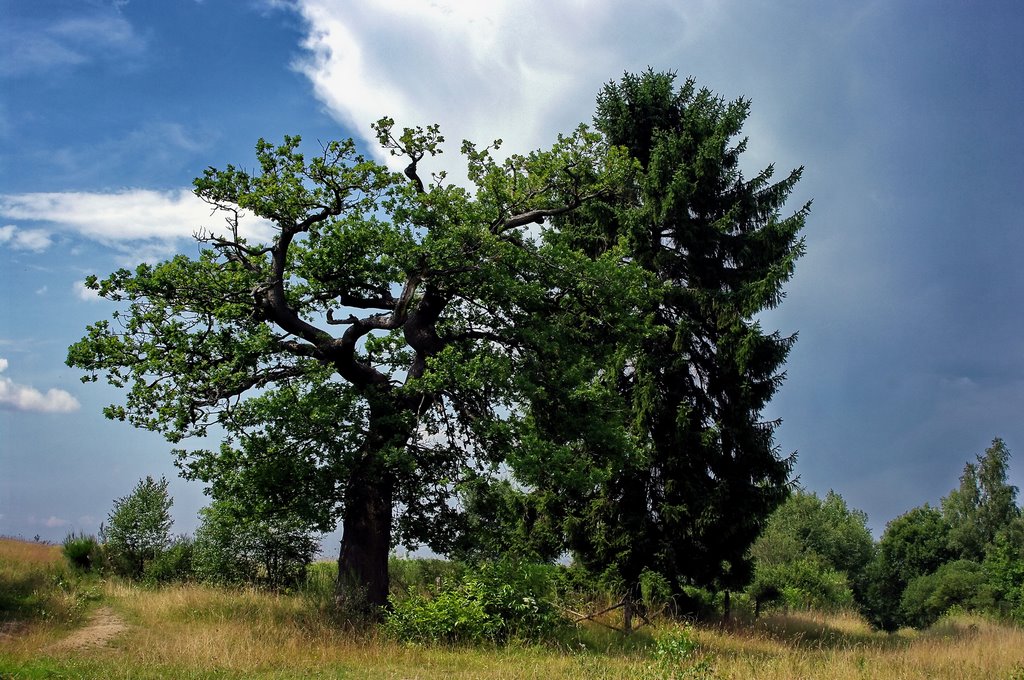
x=654 y=447
x=811 y=553
x=368 y=358
x=83 y=552
x=801 y=583
x=138 y=528
x=983 y=505
x=914 y=544
x=655 y=590
x=495 y=603
x=806 y=525
x=1004 y=568
x=966 y=555
x=677 y=656
x=502 y=520
x=960 y=583
x=232 y=546
x=174 y=563
x=395 y=342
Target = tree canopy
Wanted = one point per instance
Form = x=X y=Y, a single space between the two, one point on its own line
x=368 y=355
x=584 y=315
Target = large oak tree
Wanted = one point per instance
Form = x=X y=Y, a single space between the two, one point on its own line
x=368 y=358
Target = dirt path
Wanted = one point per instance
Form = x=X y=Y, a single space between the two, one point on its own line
x=102 y=627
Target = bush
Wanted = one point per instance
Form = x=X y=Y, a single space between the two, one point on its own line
x=955 y=584
x=497 y=602
x=803 y=583
x=677 y=655
x=139 y=527
x=172 y=564
x=82 y=552
x=234 y=547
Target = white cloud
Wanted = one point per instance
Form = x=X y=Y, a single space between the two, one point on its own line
x=17 y=397
x=83 y=292
x=132 y=219
x=521 y=70
x=36 y=240
x=54 y=522
x=43 y=290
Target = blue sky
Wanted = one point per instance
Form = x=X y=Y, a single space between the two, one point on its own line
x=906 y=115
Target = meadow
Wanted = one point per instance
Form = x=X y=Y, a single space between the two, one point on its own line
x=55 y=623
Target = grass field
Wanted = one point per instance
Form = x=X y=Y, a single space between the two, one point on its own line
x=195 y=631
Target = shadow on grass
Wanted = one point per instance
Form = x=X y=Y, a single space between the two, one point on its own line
x=823 y=631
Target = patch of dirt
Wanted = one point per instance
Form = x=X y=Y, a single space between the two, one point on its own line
x=9 y=629
x=103 y=626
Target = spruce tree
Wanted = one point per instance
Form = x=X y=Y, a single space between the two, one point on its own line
x=685 y=484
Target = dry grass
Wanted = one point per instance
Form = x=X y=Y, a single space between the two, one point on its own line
x=38 y=593
x=194 y=631
x=24 y=555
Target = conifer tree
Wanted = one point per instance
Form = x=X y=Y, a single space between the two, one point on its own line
x=683 y=470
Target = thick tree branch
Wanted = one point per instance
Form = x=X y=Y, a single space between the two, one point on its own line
x=538 y=215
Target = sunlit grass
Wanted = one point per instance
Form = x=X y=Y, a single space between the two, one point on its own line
x=16 y=554
x=39 y=594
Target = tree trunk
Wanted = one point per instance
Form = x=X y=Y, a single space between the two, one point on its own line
x=369 y=504
x=365 y=545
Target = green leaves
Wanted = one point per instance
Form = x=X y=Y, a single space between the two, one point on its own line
x=138 y=527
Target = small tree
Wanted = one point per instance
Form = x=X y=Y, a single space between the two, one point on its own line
x=234 y=546
x=139 y=527
x=1004 y=566
x=960 y=583
x=914 y=544
x=813 y=550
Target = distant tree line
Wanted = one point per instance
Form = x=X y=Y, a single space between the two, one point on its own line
x=966 y=553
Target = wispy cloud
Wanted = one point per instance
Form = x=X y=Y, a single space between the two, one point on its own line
x=35 y=48
x=150 y=148
x=36 y=240
x=140 y=220
x=17 y=397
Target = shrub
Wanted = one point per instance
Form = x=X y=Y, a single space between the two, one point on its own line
x=655 y=590
x=497 y=602
x=82 y=552
x=955 y=584
x=172 y=564
x=234 y=547
x=801 y=583
x=139 y=527
x=677 y=657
